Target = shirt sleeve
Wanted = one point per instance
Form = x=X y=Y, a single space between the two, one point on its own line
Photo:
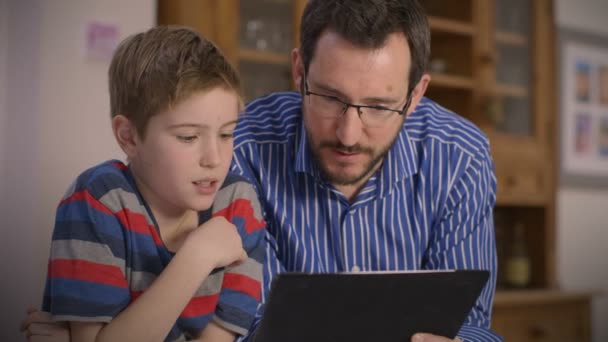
x=86 y=273
x=241 y=288
x=272 y=267
x=464 y=239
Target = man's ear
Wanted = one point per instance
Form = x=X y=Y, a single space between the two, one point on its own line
x=297 y=68
x=125 y=134
x=418 y=92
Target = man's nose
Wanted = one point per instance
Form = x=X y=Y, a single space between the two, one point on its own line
x=349 y=127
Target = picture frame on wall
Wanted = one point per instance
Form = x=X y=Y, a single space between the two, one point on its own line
x=583 y=97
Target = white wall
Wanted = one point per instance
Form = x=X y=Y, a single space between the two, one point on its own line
x=55 y=124
x=585 y=15
x=582 y=213
x=3 y=57
x=20 y=141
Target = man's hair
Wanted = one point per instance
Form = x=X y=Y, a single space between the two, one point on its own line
x=367 y=24
x=155 y=70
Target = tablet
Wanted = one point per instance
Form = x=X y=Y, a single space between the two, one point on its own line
x=368 y=306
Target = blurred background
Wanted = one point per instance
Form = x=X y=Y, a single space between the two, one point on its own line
x=499 y=63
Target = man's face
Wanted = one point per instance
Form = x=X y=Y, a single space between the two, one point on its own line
x=347 y=150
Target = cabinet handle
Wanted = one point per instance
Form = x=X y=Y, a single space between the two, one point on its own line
x=486 y=58
x=538 y=332
x=511 y=181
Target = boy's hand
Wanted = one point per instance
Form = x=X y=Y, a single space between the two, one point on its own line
x=39 y=326
x=220 y=241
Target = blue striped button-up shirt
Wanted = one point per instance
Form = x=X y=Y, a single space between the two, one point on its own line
x=430 y=205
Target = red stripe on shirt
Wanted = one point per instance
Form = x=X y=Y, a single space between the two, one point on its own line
x=135 y=295
x=242 y=208
x=138 y=223
x=119 y=165
x=197 y=306
x=130 y=220
x=84 y=195
x=242 y=283
x=200 y=306
x=87 y=271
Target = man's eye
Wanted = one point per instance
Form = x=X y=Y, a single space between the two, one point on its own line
x=227 y=135
x=186 y=138
x=333 y=99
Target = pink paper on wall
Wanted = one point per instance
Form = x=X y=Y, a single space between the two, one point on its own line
x=101 y=40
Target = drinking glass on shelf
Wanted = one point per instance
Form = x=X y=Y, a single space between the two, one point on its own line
x=255 y=35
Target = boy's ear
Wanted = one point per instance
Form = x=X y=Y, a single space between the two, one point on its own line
x=125 y=134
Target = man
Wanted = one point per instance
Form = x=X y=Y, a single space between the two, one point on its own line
x=358 y=171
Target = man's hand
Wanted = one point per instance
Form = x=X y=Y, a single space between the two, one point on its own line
x=420 y=337
x=39 y=326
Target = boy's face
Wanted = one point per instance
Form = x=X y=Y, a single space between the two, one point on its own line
x=186 y=153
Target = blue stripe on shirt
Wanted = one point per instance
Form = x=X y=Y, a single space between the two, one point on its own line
x=428 y=207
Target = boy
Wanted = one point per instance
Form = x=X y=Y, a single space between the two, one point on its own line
x=170 y=245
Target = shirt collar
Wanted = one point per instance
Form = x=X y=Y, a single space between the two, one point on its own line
x=305 y=160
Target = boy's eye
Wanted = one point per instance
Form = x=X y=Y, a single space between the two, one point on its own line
x=228 y=135
x=186 y=138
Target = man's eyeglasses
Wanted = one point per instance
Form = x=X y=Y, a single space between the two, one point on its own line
x=331 y=107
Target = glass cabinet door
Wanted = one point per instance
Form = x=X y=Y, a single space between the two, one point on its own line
x=451 y=61
x=513 y=91
x=266 y=31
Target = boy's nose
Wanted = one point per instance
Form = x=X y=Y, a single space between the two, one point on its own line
x=210 y=154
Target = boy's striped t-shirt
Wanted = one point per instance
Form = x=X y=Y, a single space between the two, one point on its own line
x=106 y=250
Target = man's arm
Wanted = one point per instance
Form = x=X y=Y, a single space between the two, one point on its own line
x=464 y=239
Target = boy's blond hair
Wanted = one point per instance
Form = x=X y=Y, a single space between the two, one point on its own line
x=157 y=69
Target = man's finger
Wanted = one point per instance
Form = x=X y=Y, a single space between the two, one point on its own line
x=423 y=337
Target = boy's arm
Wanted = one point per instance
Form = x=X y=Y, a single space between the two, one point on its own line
x=272 y=267
x=171 y=291
x=241 y=286
x=86 y=279
x=39 y=325
x=216 y=333
x=151 y=316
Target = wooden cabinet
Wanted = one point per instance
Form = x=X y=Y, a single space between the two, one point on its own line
x=492 y=61
x=539 y=316
x=257 y=36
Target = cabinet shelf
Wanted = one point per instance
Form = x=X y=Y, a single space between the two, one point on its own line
x=511 y=90
x=450 y=81
x=537 y=296
x=510 y=38
x=267 y=57
x=452 y=26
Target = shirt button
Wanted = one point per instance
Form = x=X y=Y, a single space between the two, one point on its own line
x=355 y=269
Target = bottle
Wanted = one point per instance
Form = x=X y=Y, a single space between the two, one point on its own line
x=518 y=270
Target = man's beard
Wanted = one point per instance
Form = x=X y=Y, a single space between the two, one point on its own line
x=341 y=179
